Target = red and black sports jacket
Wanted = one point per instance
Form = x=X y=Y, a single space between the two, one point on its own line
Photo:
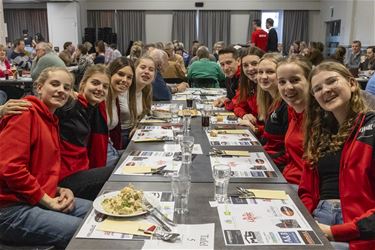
x=84 y=136
x=273 y=136
x=356 y=186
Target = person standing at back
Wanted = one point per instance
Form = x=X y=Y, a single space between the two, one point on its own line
x=259 y=37
x=272 y=36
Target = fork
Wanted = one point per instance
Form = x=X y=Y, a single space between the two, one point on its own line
x=151 y=207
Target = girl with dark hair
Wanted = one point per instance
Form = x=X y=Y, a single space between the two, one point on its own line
x=244 y=103
x=136 y=102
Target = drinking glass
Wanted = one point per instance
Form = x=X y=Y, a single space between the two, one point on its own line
x=187 y=144
x=221 y=175
x=206 y=113
x=180 y=190
x=174 y=110
x=189 y=101
x=187 y=122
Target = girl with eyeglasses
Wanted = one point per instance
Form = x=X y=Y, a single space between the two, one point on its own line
x=337 y=185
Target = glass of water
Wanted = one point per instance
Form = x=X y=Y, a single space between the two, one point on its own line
x=186 y=123
x=180 y=190
x=187 y=145
x=221 y=175
x=174 y=111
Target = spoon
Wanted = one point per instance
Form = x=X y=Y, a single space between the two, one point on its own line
x=162 y=235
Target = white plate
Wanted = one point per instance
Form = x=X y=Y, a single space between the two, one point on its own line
x=97 y=204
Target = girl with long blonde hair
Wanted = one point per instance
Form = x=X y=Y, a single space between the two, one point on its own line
x=272 y=109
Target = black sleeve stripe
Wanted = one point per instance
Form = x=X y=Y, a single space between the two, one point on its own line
x=366 y=227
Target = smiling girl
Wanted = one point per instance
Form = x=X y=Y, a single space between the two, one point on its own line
x=136 y=103
x=292 y=74
x=337 y=185
x=272 y=109
x=33 y=207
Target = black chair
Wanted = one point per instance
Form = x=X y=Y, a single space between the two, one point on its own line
x=4 y=246
x=173 y=80
x=203 y=83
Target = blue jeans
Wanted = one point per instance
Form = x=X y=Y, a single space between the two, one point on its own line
x=33 y=225
x=3 y=97
x=125 y=137
x=112 y=155
x=329 y=213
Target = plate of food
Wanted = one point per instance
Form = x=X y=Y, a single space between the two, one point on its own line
x=191 y=112
x=127 y=202
x=161 y=113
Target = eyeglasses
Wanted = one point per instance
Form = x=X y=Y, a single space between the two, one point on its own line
x=330 y=82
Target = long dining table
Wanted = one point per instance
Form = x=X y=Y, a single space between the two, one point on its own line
x=202 y=209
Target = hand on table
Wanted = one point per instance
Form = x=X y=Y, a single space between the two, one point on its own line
x=248 y=124
x=220 y=102
x=326 y=230
x=250 y=118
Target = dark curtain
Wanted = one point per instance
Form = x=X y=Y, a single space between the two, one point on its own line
x=34 y=20
x=101 y=19
x=184 y=27
x=295 y=27
x=214 y=25
x=131 y=26
x=254 y=14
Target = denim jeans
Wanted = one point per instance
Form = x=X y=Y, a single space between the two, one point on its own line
x=3 y=97
x=329 y=213
x=125 y=137
x=112 y=155
x=33 y=225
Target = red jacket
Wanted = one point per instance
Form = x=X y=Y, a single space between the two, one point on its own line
x=30 y=155
x=294 y=147
x=98 y=143
x=356 y=186
x=260 y=39
x=7 y=65
x=241 y=108
x=273 y=137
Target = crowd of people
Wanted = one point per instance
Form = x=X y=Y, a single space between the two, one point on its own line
x=308 y=112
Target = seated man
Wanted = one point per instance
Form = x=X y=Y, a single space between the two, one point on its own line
x=369 y=63
x=160 y=90
x=67 y=55
x=176 y=66
x=354 y=58
x=18 y=56
x=205 y=69
x=230 y=64
x=44 y=58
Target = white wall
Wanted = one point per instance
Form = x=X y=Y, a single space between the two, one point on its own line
x=316 y=27
x=158 y=26
x=63 y=23
x=357 y=19
x=239 y=24
x=363 y=22
x=208 y=4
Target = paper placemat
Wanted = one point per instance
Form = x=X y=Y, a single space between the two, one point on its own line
x=197 y=236
x=256 y=165
x=256 y=222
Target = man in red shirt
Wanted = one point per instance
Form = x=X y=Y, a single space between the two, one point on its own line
x=259 y=37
